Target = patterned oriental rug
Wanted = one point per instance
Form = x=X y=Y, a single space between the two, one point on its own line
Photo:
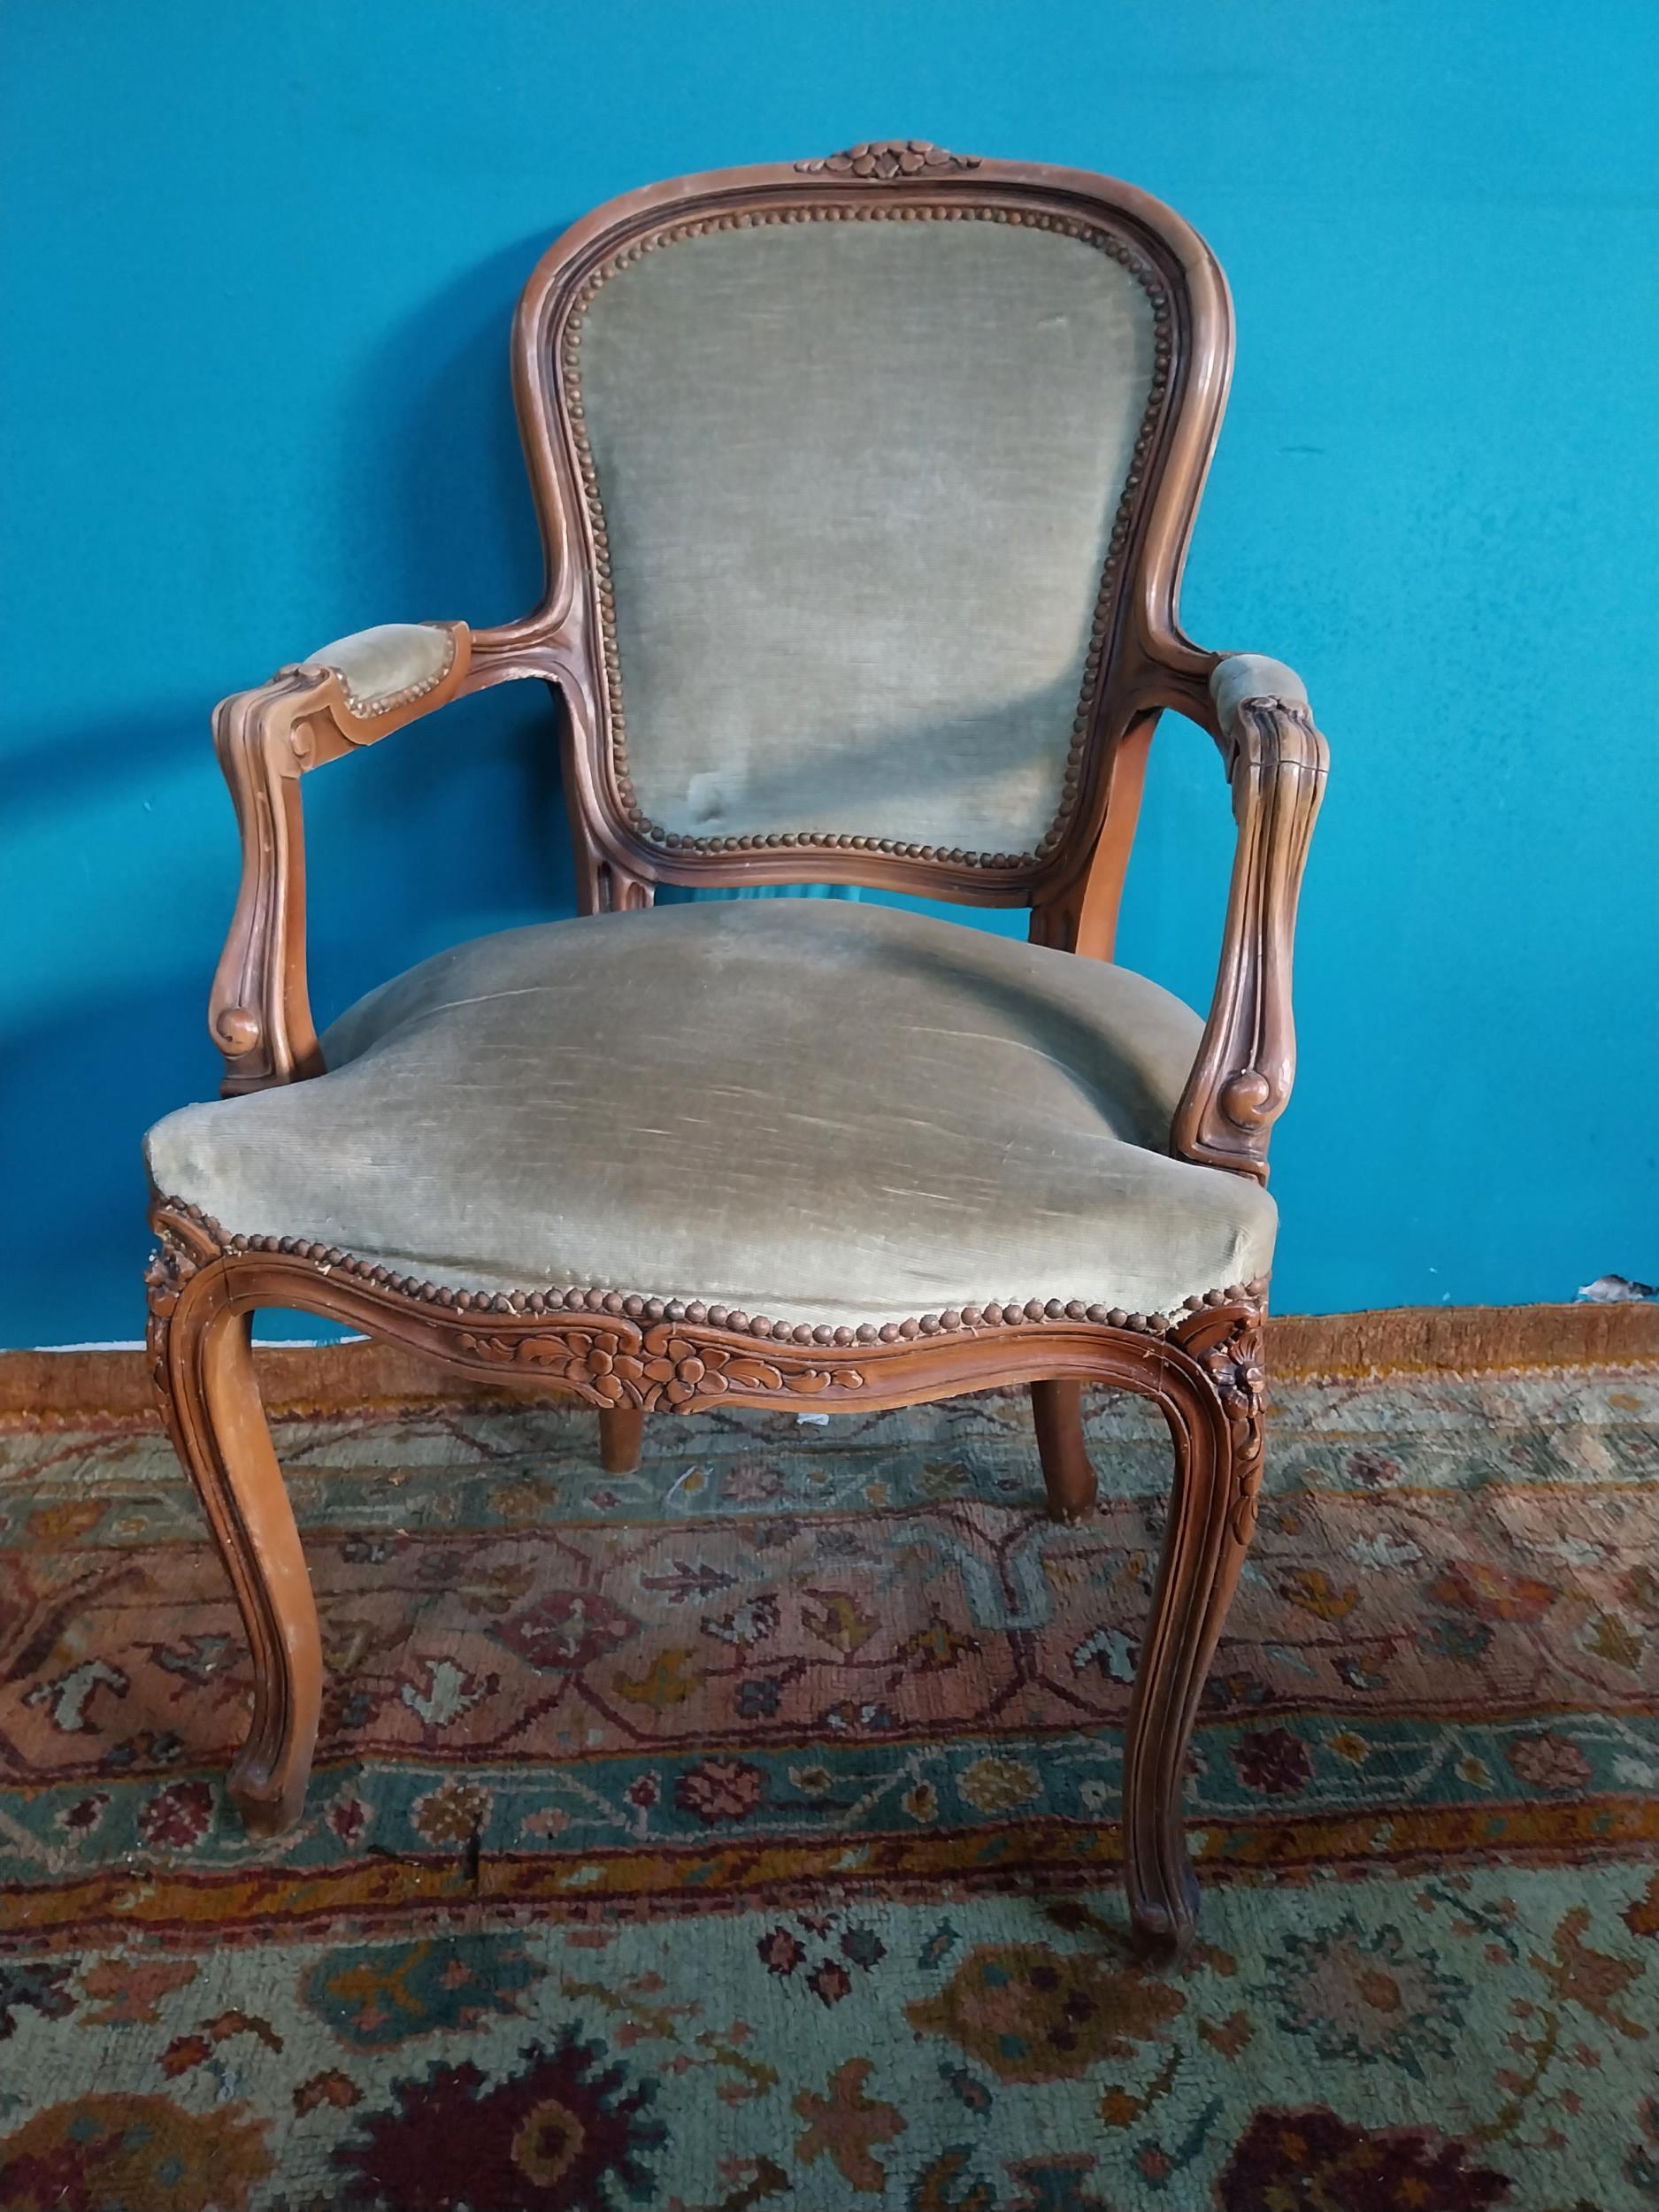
x=744 y=1832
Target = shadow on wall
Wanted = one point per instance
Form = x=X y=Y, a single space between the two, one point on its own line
x=437 y=522
x=437 y=500
x=103 y=1066
x=430 y=516
x=109 y=762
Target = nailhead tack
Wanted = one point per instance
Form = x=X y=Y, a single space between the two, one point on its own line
x=634 y=1306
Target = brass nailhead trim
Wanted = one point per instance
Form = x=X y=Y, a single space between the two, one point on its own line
x=1071 y=774
x=365 y=710
x=634 y=1306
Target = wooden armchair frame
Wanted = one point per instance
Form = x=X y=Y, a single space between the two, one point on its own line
x=626 y=1355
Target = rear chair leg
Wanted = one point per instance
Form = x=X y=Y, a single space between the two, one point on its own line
x=1057 y=1410
x=621 y=1434
x=202 y=1367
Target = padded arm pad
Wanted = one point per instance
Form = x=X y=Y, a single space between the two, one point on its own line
x=1243 y=676
x=389 y=666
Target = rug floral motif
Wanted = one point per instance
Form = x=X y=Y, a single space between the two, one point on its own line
x=745 y=1832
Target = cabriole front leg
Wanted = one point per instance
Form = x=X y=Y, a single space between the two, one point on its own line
x=1210 y=1397
x=202 y=1364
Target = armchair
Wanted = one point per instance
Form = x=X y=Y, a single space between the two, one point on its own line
x=864 y=486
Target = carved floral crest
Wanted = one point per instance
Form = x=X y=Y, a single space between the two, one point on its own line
x=884 y=160
x=1235 y=1367
x=662 y=1369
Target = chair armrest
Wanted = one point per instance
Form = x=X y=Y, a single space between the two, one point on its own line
x=344 y=696
x=1247 y=1061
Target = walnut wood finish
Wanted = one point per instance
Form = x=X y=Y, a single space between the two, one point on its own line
x=626 y=1355
x=1199 y=1367
x=1068 y=1474
x=621 y=1436
x=260 y=1012
x=202 y=1370
x=1240 y=1080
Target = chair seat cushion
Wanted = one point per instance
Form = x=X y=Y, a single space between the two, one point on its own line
x=812 y=1109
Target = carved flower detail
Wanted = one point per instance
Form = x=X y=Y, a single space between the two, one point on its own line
x=169 y=1268
x=882 y=159
x=1238 y=1375
x=584 y=1358
x=677 y=1372
x=664 y=1369
x=682 y=1371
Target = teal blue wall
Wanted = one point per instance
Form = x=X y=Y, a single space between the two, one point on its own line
x=259 y=269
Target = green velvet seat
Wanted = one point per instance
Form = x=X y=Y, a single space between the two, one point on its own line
x=809 y=1110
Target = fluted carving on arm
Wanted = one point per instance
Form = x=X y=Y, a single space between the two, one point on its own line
x=260 y=1012
x=1247 y=1062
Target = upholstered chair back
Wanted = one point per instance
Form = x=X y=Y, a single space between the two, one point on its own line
x=860 y=478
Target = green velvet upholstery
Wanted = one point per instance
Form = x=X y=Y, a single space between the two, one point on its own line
x=1243 y=676
x=815 y=1110
x=858 y=480
x=392 y=661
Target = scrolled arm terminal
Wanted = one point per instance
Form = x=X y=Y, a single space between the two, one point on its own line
x=391 y=665
x=1276 y=761
x=343 y=696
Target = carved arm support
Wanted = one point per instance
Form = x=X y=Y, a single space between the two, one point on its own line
x=345 y=696
x=1247 y=1061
